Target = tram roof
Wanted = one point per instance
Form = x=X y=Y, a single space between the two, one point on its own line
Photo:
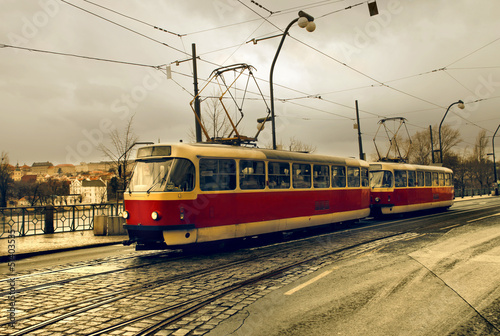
x=227 y=151
x=407 y=166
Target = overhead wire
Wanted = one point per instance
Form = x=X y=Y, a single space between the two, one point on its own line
x=78 y=56
x=122 y=26
x=380 y=83
x=134 y=19
x=473 y=52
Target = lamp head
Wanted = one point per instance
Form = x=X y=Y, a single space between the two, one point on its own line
x=303 y=21
x=311 y=26
x=306 y=21
x=461 y=104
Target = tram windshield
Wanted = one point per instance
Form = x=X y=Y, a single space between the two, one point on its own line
x=163 y=175
x=381 y=179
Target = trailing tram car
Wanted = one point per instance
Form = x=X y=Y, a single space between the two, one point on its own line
x=398 y=188
x=184 y=194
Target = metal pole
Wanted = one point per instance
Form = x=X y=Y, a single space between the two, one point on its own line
x=432 y=144
x=494 y=161
x=440 y=124
x=360 y=142
x=273 y=119
x=197 y=107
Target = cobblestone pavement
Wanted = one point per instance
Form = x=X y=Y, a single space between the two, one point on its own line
x=126 y=287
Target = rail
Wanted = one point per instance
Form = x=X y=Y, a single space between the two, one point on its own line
x=53 y=219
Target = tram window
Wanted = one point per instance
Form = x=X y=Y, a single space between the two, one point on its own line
x=381 y=179
x=365 y=181
x=411 y=178
x=338 y=177
x=401 y=178
x=279 y=175
x=447 y=179
x=441 y=179
x=428 y=179
x=353 y=180
x=252 y=174
x=321 y=176
x=301 y=175
x=420 y=178
x=181 y=177
x=435 y=179
x=217 y=174
x=162 y=175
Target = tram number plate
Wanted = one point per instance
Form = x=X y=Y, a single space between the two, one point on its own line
x=322 y=205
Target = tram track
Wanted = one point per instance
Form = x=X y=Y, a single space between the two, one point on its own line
x=178 y=311
x=92 y=303
x=95 y=262
x=192 y=305
x=205 y=300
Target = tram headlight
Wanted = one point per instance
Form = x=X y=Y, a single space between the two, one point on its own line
x=377 y=199
x=125 y=215
x=155 y=215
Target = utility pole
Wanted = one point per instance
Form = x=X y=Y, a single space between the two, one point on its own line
x=432 y=144
x=197 y=107
x=360 y=142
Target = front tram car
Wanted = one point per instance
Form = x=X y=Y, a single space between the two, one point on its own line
x=183 y=194
x=398 y=188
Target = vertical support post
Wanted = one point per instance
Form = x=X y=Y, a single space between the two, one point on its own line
x=271 y=89
x=495 y=162
x=72 y=228
x=432 y=145
x=49 y=220
x=197 y=107
x=360 y=142
x=22 y=231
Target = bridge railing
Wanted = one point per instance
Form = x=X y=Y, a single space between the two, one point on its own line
x=51 y=219
x=473 y=192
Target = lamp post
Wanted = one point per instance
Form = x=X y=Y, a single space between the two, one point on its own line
x=461 y=106
x=494 y=162
x=304 y=21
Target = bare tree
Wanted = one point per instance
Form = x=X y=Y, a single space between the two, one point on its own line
x=449 y=138
x=420 y=152
x=480 y=168
x=119 y=150
x=5 y=179
x=421 y=149
x=214 y=120
x=294 y=145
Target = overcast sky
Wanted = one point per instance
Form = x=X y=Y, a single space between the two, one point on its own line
x=412 y=60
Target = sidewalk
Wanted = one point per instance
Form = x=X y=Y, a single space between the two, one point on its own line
x=475 y=197
x=28 y=246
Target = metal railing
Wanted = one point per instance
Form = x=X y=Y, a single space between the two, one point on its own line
x=473 y=192
x=52 y=219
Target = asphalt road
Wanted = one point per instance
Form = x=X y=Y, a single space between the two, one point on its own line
x=445 y=281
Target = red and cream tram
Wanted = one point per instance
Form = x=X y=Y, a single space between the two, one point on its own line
x=182 y=194
x=397 y=188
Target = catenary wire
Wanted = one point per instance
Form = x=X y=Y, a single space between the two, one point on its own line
x=124 y=27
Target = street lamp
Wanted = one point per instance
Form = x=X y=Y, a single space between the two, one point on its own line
x=304 y=21
x=495 y=162
x=461 y=106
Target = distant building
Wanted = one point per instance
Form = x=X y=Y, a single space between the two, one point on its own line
x=29 y=178
x=17 y=174
x=65 y=169
x=92 y=166
x=42 y=168
x=91 y=191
